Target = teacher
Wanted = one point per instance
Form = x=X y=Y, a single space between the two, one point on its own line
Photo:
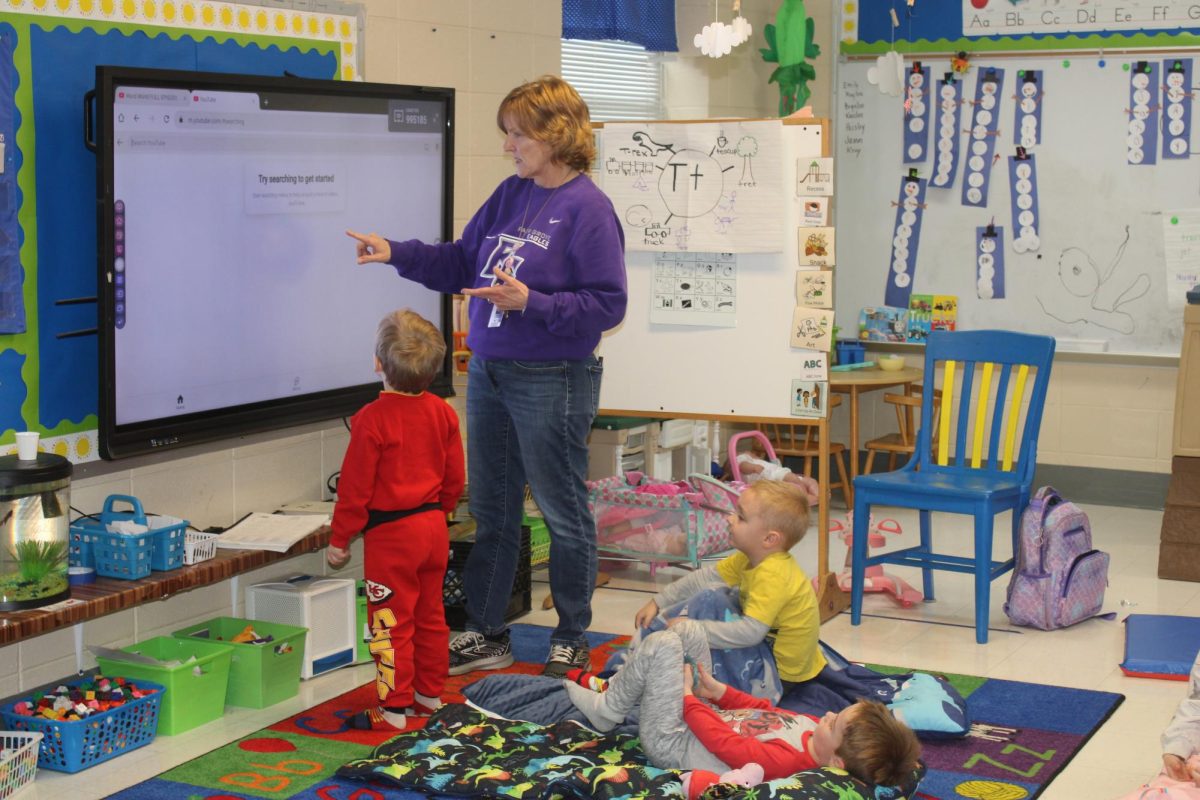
x=544 y=263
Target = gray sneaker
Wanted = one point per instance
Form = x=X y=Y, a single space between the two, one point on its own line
x=470 y=651
x=564 y=658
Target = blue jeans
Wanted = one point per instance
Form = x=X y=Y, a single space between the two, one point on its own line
x=528 y=422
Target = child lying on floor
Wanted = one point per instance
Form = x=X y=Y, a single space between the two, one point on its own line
x=679 y=730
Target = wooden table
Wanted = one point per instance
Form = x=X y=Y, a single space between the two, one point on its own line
x=831 y=598
x=856 y=381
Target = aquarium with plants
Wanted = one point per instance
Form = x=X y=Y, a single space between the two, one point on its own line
x=35 y=497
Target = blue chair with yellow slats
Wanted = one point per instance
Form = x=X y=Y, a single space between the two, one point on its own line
x=990 y=378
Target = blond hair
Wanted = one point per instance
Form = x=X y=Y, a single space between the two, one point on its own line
x=549 y=110
x=410 y=349
x=878 y=748
x=783 y=507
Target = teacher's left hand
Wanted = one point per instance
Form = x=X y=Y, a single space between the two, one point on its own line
x=509 y=294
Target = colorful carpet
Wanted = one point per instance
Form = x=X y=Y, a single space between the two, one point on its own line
x=1024 y=734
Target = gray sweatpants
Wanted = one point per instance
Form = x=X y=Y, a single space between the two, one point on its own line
x=653 y=679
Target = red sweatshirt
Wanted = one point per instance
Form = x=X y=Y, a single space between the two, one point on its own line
x=405 y=451
x=748 y=728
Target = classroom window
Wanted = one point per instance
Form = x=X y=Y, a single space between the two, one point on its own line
x=618 y=80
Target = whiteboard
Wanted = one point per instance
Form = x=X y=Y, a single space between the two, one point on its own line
x=713 y=371
x=1097 y=212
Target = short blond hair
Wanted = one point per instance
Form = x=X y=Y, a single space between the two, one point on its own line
x=783 y=507
x=549 y=110
x=410 y=349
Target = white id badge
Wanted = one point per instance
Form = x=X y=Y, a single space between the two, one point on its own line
x=496 y=318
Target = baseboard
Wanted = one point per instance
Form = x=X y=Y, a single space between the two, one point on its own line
x=1107 y=487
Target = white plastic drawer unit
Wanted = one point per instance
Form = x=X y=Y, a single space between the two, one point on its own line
x=630 y=439
x=676 y=432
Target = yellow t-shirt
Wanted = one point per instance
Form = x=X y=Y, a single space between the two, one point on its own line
x=778 y=594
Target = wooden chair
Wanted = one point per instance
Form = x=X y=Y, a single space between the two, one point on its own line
x=903 y=442
x=800 y=441
x=992 y=370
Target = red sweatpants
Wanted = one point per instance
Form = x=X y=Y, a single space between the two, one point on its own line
x=405 y=564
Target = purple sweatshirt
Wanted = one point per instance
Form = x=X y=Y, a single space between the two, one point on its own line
x=565 y=244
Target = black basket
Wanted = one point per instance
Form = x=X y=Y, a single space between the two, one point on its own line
x=455 y=599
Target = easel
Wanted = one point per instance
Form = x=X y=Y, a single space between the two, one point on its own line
x=831 y=598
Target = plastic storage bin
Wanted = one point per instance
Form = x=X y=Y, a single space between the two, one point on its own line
x=18 y=761
x=260 y=675
x=326 y=607
x=539 y=541
x=195 y=689
x=363 y=652
x=462 y=539
x=90 y=541
x=75 y=746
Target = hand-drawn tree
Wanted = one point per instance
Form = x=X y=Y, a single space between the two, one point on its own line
x=747 y=148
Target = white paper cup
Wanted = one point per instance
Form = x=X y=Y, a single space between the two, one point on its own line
x=27 y=445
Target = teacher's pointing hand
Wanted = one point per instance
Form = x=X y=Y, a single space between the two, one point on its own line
x=372 y=248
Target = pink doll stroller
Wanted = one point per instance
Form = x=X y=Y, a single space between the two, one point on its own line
x=876 y=580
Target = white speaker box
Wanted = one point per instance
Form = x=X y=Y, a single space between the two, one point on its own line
x=326 y=606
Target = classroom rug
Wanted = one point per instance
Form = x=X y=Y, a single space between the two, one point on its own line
x=1023 y=734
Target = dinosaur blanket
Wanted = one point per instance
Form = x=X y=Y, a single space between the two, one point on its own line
x=464 y=752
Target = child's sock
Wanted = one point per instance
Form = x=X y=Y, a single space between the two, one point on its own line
x=378 y=719
x=588 y=680
x=593 y=706
x=423 y=705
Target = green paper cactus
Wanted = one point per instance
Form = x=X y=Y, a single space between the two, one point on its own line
x=790 y=44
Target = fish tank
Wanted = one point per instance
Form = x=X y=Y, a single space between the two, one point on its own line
x=35 y=498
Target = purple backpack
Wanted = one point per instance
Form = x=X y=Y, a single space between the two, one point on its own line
x=1059 y=579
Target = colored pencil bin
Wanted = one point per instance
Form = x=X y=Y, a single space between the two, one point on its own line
x=75 y=746
x=195 y=688
x=260 y=675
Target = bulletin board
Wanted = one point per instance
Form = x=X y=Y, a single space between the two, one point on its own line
x=1115 y=240
x=48 y=270
x=744 y=369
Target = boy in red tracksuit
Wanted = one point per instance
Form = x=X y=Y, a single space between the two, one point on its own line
x=402 y=474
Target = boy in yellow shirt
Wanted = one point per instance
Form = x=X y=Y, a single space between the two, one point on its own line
x=777 y=598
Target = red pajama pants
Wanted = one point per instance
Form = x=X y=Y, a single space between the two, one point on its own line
x=405 y=564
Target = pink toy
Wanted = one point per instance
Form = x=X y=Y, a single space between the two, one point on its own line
x=875 y=579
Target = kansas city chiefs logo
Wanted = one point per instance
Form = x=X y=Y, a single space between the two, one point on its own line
x=377 y=592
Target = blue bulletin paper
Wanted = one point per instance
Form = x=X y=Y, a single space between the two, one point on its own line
x=1027 y=125
x=906 y=236
x=985 y=119
x=12 y=275
x=916 y=114
x=1026 y=220
x=989 y=262
x=1142 y=138
x=1177 y=107
x=949 y=125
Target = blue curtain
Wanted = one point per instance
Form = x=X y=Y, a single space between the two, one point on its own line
x=650 y=23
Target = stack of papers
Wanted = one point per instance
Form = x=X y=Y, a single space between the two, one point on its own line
x=274 y=532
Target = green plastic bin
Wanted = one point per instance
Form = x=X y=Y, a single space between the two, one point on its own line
x=195 y=690
x=363 y=653
x=260 y=675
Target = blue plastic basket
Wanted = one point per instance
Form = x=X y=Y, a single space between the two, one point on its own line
x=122 y=555
x=79 y=553
x=167 y=544
x=75 y=746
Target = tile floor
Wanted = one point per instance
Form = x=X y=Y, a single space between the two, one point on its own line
x=1118 y=758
